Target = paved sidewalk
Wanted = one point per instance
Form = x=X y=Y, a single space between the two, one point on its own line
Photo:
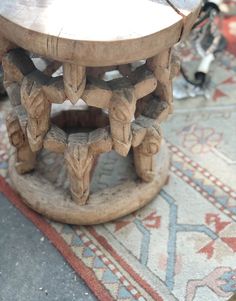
x=31 y=269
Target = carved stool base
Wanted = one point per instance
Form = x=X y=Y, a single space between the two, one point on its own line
x=55 y=202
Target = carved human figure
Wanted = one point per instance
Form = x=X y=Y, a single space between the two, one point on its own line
x=121 y=113
x=38 y=110
x=25 y=158
x=144 y=154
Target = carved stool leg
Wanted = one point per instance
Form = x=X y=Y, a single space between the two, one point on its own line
x=38 y=109
x=144 y=153
x=121 y=112
x=74 y=81
x=79 y=162
x=25 y=158
x=161 y=66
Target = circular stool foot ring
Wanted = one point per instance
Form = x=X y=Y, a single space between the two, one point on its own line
x=103 y=206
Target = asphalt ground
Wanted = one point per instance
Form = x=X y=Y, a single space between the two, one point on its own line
x=31 y=269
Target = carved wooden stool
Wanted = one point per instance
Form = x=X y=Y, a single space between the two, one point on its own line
x=89 y=38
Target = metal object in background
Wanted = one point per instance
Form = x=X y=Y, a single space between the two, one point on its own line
x=184 y=90
x=206 y=41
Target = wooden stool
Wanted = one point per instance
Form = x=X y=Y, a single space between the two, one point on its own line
x=89 y=38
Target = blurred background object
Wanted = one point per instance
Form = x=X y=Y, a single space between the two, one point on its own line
x=206 y=42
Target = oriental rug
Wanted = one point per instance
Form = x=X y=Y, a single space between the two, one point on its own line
x=182 y=246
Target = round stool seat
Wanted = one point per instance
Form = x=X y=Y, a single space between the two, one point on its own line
x=96 y=32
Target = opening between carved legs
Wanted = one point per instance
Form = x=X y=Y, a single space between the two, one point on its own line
x=136 y=102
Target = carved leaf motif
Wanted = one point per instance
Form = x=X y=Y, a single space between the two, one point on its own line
x=79 y=162
x=74 y=81
x=38 y=110
x=33 y=98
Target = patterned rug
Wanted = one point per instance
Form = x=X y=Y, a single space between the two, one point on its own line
x=182 y=246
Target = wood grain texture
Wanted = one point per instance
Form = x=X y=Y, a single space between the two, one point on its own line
x=80 y=155
x=144 y=81
x=25 y=158
x=16 y=64
x=97 y=93
x=161 y=67
x=53 y=29
x=79 y=162
x=121 y=112
x=38 y=110
x=146 y=142
x=55 y=140
x=13 y=91
x=139 y=128
x=89 y=38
